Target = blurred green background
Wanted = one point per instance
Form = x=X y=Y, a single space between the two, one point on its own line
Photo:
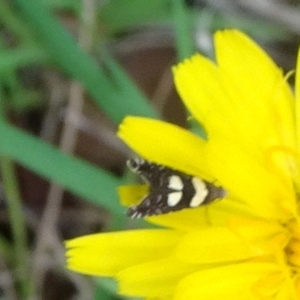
x=70 y=71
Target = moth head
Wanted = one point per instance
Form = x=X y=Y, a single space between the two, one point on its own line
x=134 y=164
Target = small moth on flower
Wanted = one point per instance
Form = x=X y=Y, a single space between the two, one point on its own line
x=170 y=190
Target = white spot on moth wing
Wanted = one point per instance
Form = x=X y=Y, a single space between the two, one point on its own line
x=134 y=214
x=175 y=183
x=174 y=198
x=201 y=192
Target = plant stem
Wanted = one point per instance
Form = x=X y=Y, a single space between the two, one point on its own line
x=17 y=222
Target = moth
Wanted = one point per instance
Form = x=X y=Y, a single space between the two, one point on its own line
x=170 y=190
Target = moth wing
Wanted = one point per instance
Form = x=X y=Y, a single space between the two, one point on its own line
x=159 y=201
x=155 y=203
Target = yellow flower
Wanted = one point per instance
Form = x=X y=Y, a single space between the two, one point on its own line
x=246 y=246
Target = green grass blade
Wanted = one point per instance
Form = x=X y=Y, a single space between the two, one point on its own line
x=14 y=24
x=71 y=173
x=75 y=62
x=17 y=221
x=182 y=23
x=16 y=58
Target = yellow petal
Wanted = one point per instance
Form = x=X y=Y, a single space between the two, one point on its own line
x=297 y=284
x=265 y=237
x=165 y=144
x=230 y=99
x=217 y=213
x=213 y=245
x=244 y=178
x=199 y=87
x=297 y=92
x=297 y=95
x=228 y=282
x=153 y=279
x=160 y=298
x=242 y=241
x=132 y=194
x=258 y=90
x=107 y=253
